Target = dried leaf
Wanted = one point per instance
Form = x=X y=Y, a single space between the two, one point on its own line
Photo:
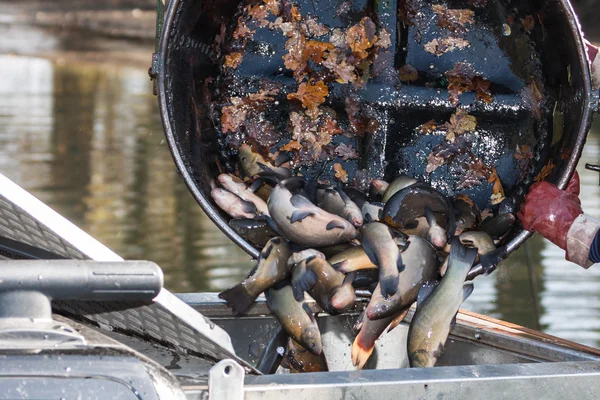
x=314 y=135
x=498 y=191
x=361 y=37
x=545 y=172
x=234 y=60
x=408 y=73
x=482 y=88
x=532 y=97
x=340 y=172
x=347 y=152
x=427 y=128
x=338 y=39
x=291 y=12
x=486 y=213
x=460 y=122
x=384 y=40
x=361 y=180
x=462 y=79
x=311 y=94
x=287 y=28
x=446 y=152
x=523 y=153
x=292 y=145
x=316 y=50
x=331 y=127
x=259 y=14
x=445 y=45
x=296 y=57
x=274 y=6
x=433 y=162
x=476 y=172
x=336 y=63
x=344 y=8
x=453 y=19
x=528 y=23
x=408 y=11
x=242 y=31
x=478 y=3
x=313 y=28
x=232 y=117
x=261 y=130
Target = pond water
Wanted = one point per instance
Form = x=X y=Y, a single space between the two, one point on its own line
x=87 y=140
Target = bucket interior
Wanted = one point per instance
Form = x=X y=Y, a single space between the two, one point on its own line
x=527 y=54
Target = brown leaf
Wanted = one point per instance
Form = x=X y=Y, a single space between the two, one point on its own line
x=453 y=19
x=287 y=28
x=316 y=50
x=361 y=37
x=336 y=63
x=347 y=152
x=232 y=118
x=446 y=152
x=462 y=78
x=445 y=45
x=428 y=127
x=234 y=60
x=242 y=30
x=384 y=40
x=274 y=6
x=523 y=153
x=311 y=94
x=313 y=28
x=331 y=127
x=476 y=172
x=408 y=11
x=498 y=191
x=295 y=13
x=296 y=57
x=433 y=162
x=340 y=172
x=478 y=3
x=460 y=122
x=408 y=73
x=482 y=88
x=528 y=23
x=259 y=14
x=292 y=145
x=545 y=172
x=532 y=97
x=338 y=39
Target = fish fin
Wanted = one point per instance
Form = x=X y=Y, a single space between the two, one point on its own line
x=268 y=171
x=430 y=216
x=368 y=218
x=299 y=215
x=349 y=278
x=282 y=158
x=491 y=260
x=237 y=298
x=273 y=225
x=360 y=354
x=380 y=214
x=248 y=207
x=460 y=255
x=300 y=201
x=439 y=352
x=340 y=266
x=256 y=184
x=426 y=289
x=294 y=184
x=397 y=320
x=453 y=322
x=335 y=224
x=467 y=290
x=388 y=284
x=303 y=279
x=266 y=251
x=399 y=264
x=306 y=309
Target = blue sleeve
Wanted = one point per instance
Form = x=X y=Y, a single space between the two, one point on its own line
x=595 y=249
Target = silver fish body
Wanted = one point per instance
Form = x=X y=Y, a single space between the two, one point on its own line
x=252 y=164
x=337 y=202
x=234 y=206
x=239 y=188
x=255 y=231
x=399 y=183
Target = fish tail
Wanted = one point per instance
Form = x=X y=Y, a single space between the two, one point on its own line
x=238 y=298
x=361 y=351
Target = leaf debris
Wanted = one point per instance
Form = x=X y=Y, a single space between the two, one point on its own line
x=340 y=172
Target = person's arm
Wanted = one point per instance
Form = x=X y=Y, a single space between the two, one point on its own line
x=557 y=215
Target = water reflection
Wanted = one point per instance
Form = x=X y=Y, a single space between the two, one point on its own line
x=87 y=140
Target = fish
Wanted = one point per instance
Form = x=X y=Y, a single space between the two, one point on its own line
x=381 y=248
x=330 y=251
x=377 y=188
x=372 y=211
x=252 y=164
x=498 y=225
x=370 y=331
x=356 y=196
x=294 y=316
x=399 y=183
x=352 y=259
x=468 y=216
x=437 y=308
x=271 y=268
x=331 y=289
x=421 y=264
x=299 y=256
x=255 y=231
x=239 y=188
x=232 y=204
x=409 y=203
x=435 y=234
x=487 y=254
x=337 y=202
x=302 y=360
x=301 y=221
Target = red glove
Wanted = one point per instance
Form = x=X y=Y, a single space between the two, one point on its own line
x=550 y=211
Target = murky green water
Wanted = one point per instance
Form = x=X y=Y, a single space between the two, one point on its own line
x=87 y=140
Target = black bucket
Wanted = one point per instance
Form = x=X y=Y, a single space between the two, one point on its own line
x=512 y=44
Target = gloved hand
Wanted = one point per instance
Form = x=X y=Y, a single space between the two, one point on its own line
x=550 y=211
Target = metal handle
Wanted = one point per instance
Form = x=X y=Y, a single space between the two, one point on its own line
x=83 y=280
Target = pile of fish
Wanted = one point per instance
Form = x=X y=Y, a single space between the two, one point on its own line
x=404 y=242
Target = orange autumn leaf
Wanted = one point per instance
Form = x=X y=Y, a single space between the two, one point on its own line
x=438 y=47
x=453 y=19
x=316 y=49
x=232 y=118
x=428 y=127
x=259 y=14
x=242 y=31
x=498 y=191
x=295 y=13
x=274 y=6
x=292 y=145
x=545 y=172
x=340 y=172
x=361 y=37
x=233 y=60
x=310 y=94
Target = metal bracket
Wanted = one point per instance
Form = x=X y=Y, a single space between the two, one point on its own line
x=226 y=381
x=593 y=167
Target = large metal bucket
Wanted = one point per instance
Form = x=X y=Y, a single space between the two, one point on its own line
x=186 y=59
